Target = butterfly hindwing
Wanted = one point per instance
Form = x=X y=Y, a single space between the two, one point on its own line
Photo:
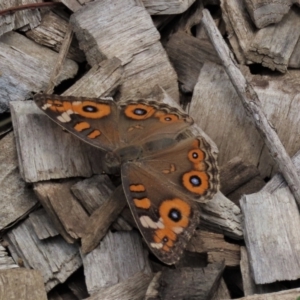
x=190 y=166
x=166 y=218
x=93 y=120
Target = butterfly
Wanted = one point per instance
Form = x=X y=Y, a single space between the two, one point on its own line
x=163 y=174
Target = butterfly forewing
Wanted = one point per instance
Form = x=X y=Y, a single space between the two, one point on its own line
x=165 y=217
x=143 y=121
x=95 y=121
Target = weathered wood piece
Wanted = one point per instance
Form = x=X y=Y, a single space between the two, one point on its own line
x=273 y=46
x=26 y=68
x=93 y=192
x=100 y=220
x=42 y=224
x=253 y=107
x=64 y=209
x=283 y=295
x=105 y=29
x=54 y=258
x=50 y=33
x=6 y=261
x=187 y=283
x=45 y=151
x=22 y=284
x=250 y=187
x=222 y=292
x=133 y=288
x=120 y=255
x=19 y=18
x=187 y=55
x=221 y=215
x=249 y=286
x=272 y=236
x=160 y=7
x=264 y=13
x=235 y=173
x=101 y=80
x=294 y=61
x=73 y=5
x=216 y=248
x=17 y=200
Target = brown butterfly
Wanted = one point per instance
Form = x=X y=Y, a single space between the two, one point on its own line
x=160 y=173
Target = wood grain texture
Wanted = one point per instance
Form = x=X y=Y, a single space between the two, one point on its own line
x=222 y=292
x=63 y=207
x=223 y=216
x=264 y=13
x=99 y=81
x=187 y=55
x=22 y=284
x=215 y=99
x=26 y=68
x=100 y=220
x=6 y=261
x=17 y=200
x=216 y=247
x=42 y=224
x=133 y=288
x=189 y=283
x=120 y=256
x=98 y=27
x=253 y=107
x=161 y=7
x=272 y=236
x=54 y=258
x=235 y=173
x=283 y=295
x=50 y=33
x=45 y=151
x=19 y=18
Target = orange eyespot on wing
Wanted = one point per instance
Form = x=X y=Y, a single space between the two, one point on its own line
x=167 y=117
x=90 y=109
x=175 y=213
x=196 y=182
x=139 y=111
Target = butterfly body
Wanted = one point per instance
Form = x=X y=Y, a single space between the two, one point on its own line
x=161 y=176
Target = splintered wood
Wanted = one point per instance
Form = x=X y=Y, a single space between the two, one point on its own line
x=66 y=230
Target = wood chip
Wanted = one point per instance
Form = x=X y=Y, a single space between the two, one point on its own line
x=26 y=68
x=42 y=224
x=188 y=283
x=187 y=55
x=216 y=248
x=54 y=258
x=15 y=20
x=120 y=256
x=63 y=208
x=159 y=7
x=97 y=27
x=51 y=32
x=100 y=220
x=17 y=200
x=6 y=261
x=22 y=284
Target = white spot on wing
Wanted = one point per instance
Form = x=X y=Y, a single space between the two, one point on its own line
x=70 y=112
x=177 y=230
x=147 y=222
x=66 y=117
x=76 y=102
x=61 y=119
x=46 y=105
x=156 y=245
